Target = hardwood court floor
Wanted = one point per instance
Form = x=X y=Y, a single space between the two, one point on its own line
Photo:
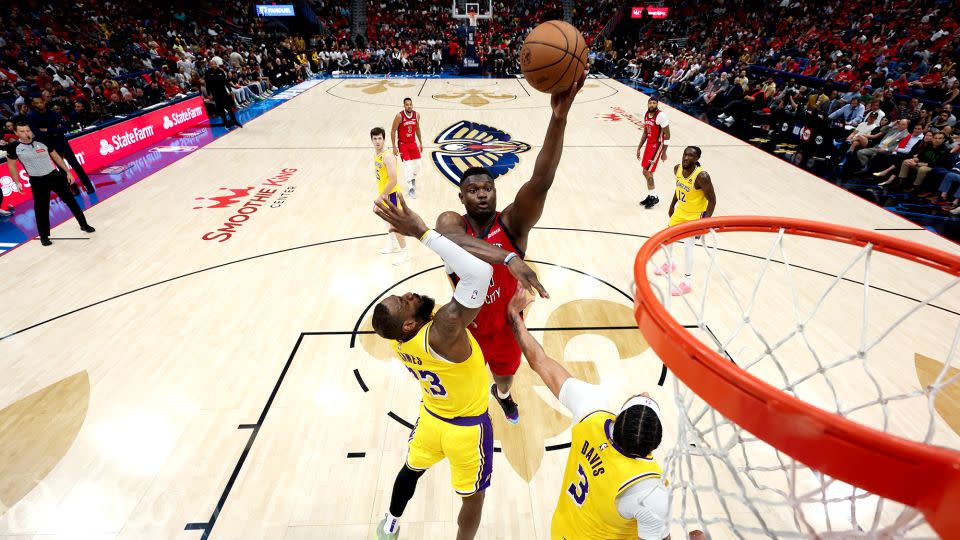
x=157 y=384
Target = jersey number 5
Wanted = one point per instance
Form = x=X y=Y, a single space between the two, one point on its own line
x=430 y=382
x=578 y=492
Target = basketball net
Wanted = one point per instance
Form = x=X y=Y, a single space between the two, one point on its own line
x=472 y=16
x=811 y=329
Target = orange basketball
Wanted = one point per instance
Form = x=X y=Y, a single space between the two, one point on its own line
x=553 y=56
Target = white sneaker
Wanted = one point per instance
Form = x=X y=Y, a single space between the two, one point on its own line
x=388 y=250
x=955 y=211
x=402 y=257
x=4 y=213
x=412 y=193
x=722 y=116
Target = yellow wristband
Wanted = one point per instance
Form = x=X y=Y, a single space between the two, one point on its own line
x=425 y=234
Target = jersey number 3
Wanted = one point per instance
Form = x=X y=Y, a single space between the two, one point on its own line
x=578 y=491
x=430 y=382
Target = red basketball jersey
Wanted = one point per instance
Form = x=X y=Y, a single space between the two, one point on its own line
x=493 y=315
x=654 y=131
x=408 y=127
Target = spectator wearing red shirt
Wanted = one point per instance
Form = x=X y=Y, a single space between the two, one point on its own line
x=846 y=75
x=930 y=80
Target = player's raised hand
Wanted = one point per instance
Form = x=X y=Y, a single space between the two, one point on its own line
x=402 y=219
x=521 y=299
x=526 y=277
x=561 y=102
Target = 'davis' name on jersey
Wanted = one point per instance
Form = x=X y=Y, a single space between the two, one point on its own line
x=593 y=457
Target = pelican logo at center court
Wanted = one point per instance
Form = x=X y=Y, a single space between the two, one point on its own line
x=468 y=144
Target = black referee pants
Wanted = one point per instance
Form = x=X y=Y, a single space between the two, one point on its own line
x=42 y=186
x=67 y=153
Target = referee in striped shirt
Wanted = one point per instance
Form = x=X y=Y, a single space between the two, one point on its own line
x=38 y=161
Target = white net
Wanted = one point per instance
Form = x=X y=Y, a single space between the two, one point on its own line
x=866 y=335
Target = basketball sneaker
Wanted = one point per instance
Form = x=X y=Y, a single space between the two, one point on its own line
x=412 y=192
x=509 y=406
x=664 y=270
x=650 y=201
x=5 y=213
x=681 y=289
x=386 y=250
x=386 y=536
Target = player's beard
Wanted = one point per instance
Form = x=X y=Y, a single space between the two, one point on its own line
x=425 y=310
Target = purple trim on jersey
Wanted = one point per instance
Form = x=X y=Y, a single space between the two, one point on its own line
x=462 y=420
x=637 y=478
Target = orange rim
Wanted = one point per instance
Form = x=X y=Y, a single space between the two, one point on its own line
x=918 y=475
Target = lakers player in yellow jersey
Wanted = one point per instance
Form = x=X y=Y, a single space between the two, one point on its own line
x=693 y=198
x=612 y=487
x=385 y=173
x=444 y=357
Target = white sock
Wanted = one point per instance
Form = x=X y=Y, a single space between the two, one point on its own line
x=502 y=395
x=688 y=257
x=391 y=525
x=394 y=243
x=652 y=193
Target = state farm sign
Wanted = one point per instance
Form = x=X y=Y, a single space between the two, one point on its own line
x=98 y=149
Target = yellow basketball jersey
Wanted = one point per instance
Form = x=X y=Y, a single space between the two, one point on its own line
x=595 y=475
x=380 y=171
x=691 y=202
x=449 y=390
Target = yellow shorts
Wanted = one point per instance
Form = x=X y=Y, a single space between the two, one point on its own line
x=466 y=441
x=679 y=217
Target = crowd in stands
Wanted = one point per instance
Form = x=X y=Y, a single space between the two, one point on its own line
x=880 y=79
x=90 y=61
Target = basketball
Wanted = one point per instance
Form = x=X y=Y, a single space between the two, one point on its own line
x=553 y=56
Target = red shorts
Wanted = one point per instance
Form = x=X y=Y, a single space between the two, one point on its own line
x=409 y=152
x=651 y=156
x=501 y=351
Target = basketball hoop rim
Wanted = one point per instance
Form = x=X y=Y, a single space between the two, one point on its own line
x=919 y=475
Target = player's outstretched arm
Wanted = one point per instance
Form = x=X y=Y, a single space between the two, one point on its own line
x=527 y=208
x=450 y=225
x=449 y=337
x=550 y=371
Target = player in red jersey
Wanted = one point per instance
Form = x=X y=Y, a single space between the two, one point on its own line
x=407 y=124
x=484 y=232
x=653 y=147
